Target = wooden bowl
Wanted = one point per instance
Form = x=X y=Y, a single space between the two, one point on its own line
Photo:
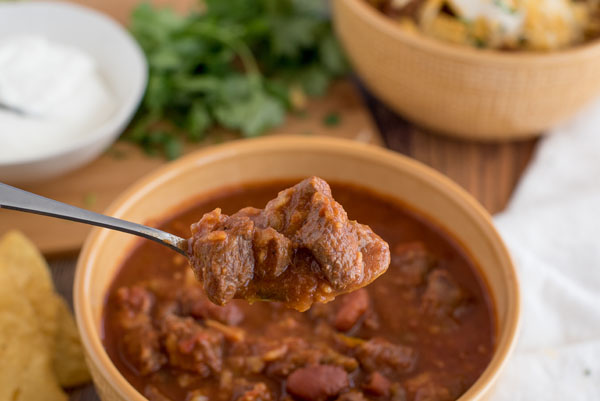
x=461 y=91
x=385 y=172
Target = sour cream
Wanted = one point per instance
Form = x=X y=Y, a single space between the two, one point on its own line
x=52 y=95
x=492 y=10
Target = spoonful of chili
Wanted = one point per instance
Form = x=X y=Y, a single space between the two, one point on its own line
x=300 y=249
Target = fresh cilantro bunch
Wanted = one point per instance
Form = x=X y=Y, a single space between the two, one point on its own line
x=238 y=64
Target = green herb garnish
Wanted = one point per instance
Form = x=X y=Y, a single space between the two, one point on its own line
x=238 y=64
x=89 y=200
x=332 y=119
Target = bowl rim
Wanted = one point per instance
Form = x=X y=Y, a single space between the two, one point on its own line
x=506 y=340
x=111 y=127
x=388 y=26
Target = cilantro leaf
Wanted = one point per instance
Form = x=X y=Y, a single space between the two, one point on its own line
x=198 y=121
x=239 y=64
x=291 y=35
x=314 y=80
x=331 y=55
x=253 y=116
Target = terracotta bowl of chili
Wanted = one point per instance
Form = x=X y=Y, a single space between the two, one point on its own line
x=438 y=325
x=462 y=91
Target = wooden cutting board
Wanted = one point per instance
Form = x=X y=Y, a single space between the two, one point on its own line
x=96 y=185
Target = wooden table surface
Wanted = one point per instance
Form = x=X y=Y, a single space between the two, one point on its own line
x=489 y=171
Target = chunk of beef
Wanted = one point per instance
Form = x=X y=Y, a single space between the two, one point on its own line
x=412 y=261
x=273 y=253
x=390 y=359
x=424 y=388
x=195 y=303
x=332 y=240
x=352 y=307
x=229 y=251
x=317 y=383
x=377 y=384
x=135 y=304
x=140 y=344
x=192 y=347
x=442 y=294
x=244 y=255
x=222 y=256
x=348 y=253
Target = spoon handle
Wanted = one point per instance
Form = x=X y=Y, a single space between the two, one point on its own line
x=23 y=201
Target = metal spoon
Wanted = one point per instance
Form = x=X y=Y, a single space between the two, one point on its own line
x=11 y=109
x=23 y=201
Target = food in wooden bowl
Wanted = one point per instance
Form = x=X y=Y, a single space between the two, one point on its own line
x=476 y=93
x=439 y=323
x=499 y=24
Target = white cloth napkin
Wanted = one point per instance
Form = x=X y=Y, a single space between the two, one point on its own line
x=552 y=228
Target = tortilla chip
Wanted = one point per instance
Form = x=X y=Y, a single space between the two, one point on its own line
x=69 y=361
x=449 y=29
x=20 y=260
x=22 y=263
x=26 y=369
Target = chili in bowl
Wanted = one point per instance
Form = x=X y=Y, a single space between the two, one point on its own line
x=437 y=325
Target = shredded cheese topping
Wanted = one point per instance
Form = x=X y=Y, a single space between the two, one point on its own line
x=504 y=24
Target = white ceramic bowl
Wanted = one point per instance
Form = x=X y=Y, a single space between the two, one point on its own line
x=121 y=64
